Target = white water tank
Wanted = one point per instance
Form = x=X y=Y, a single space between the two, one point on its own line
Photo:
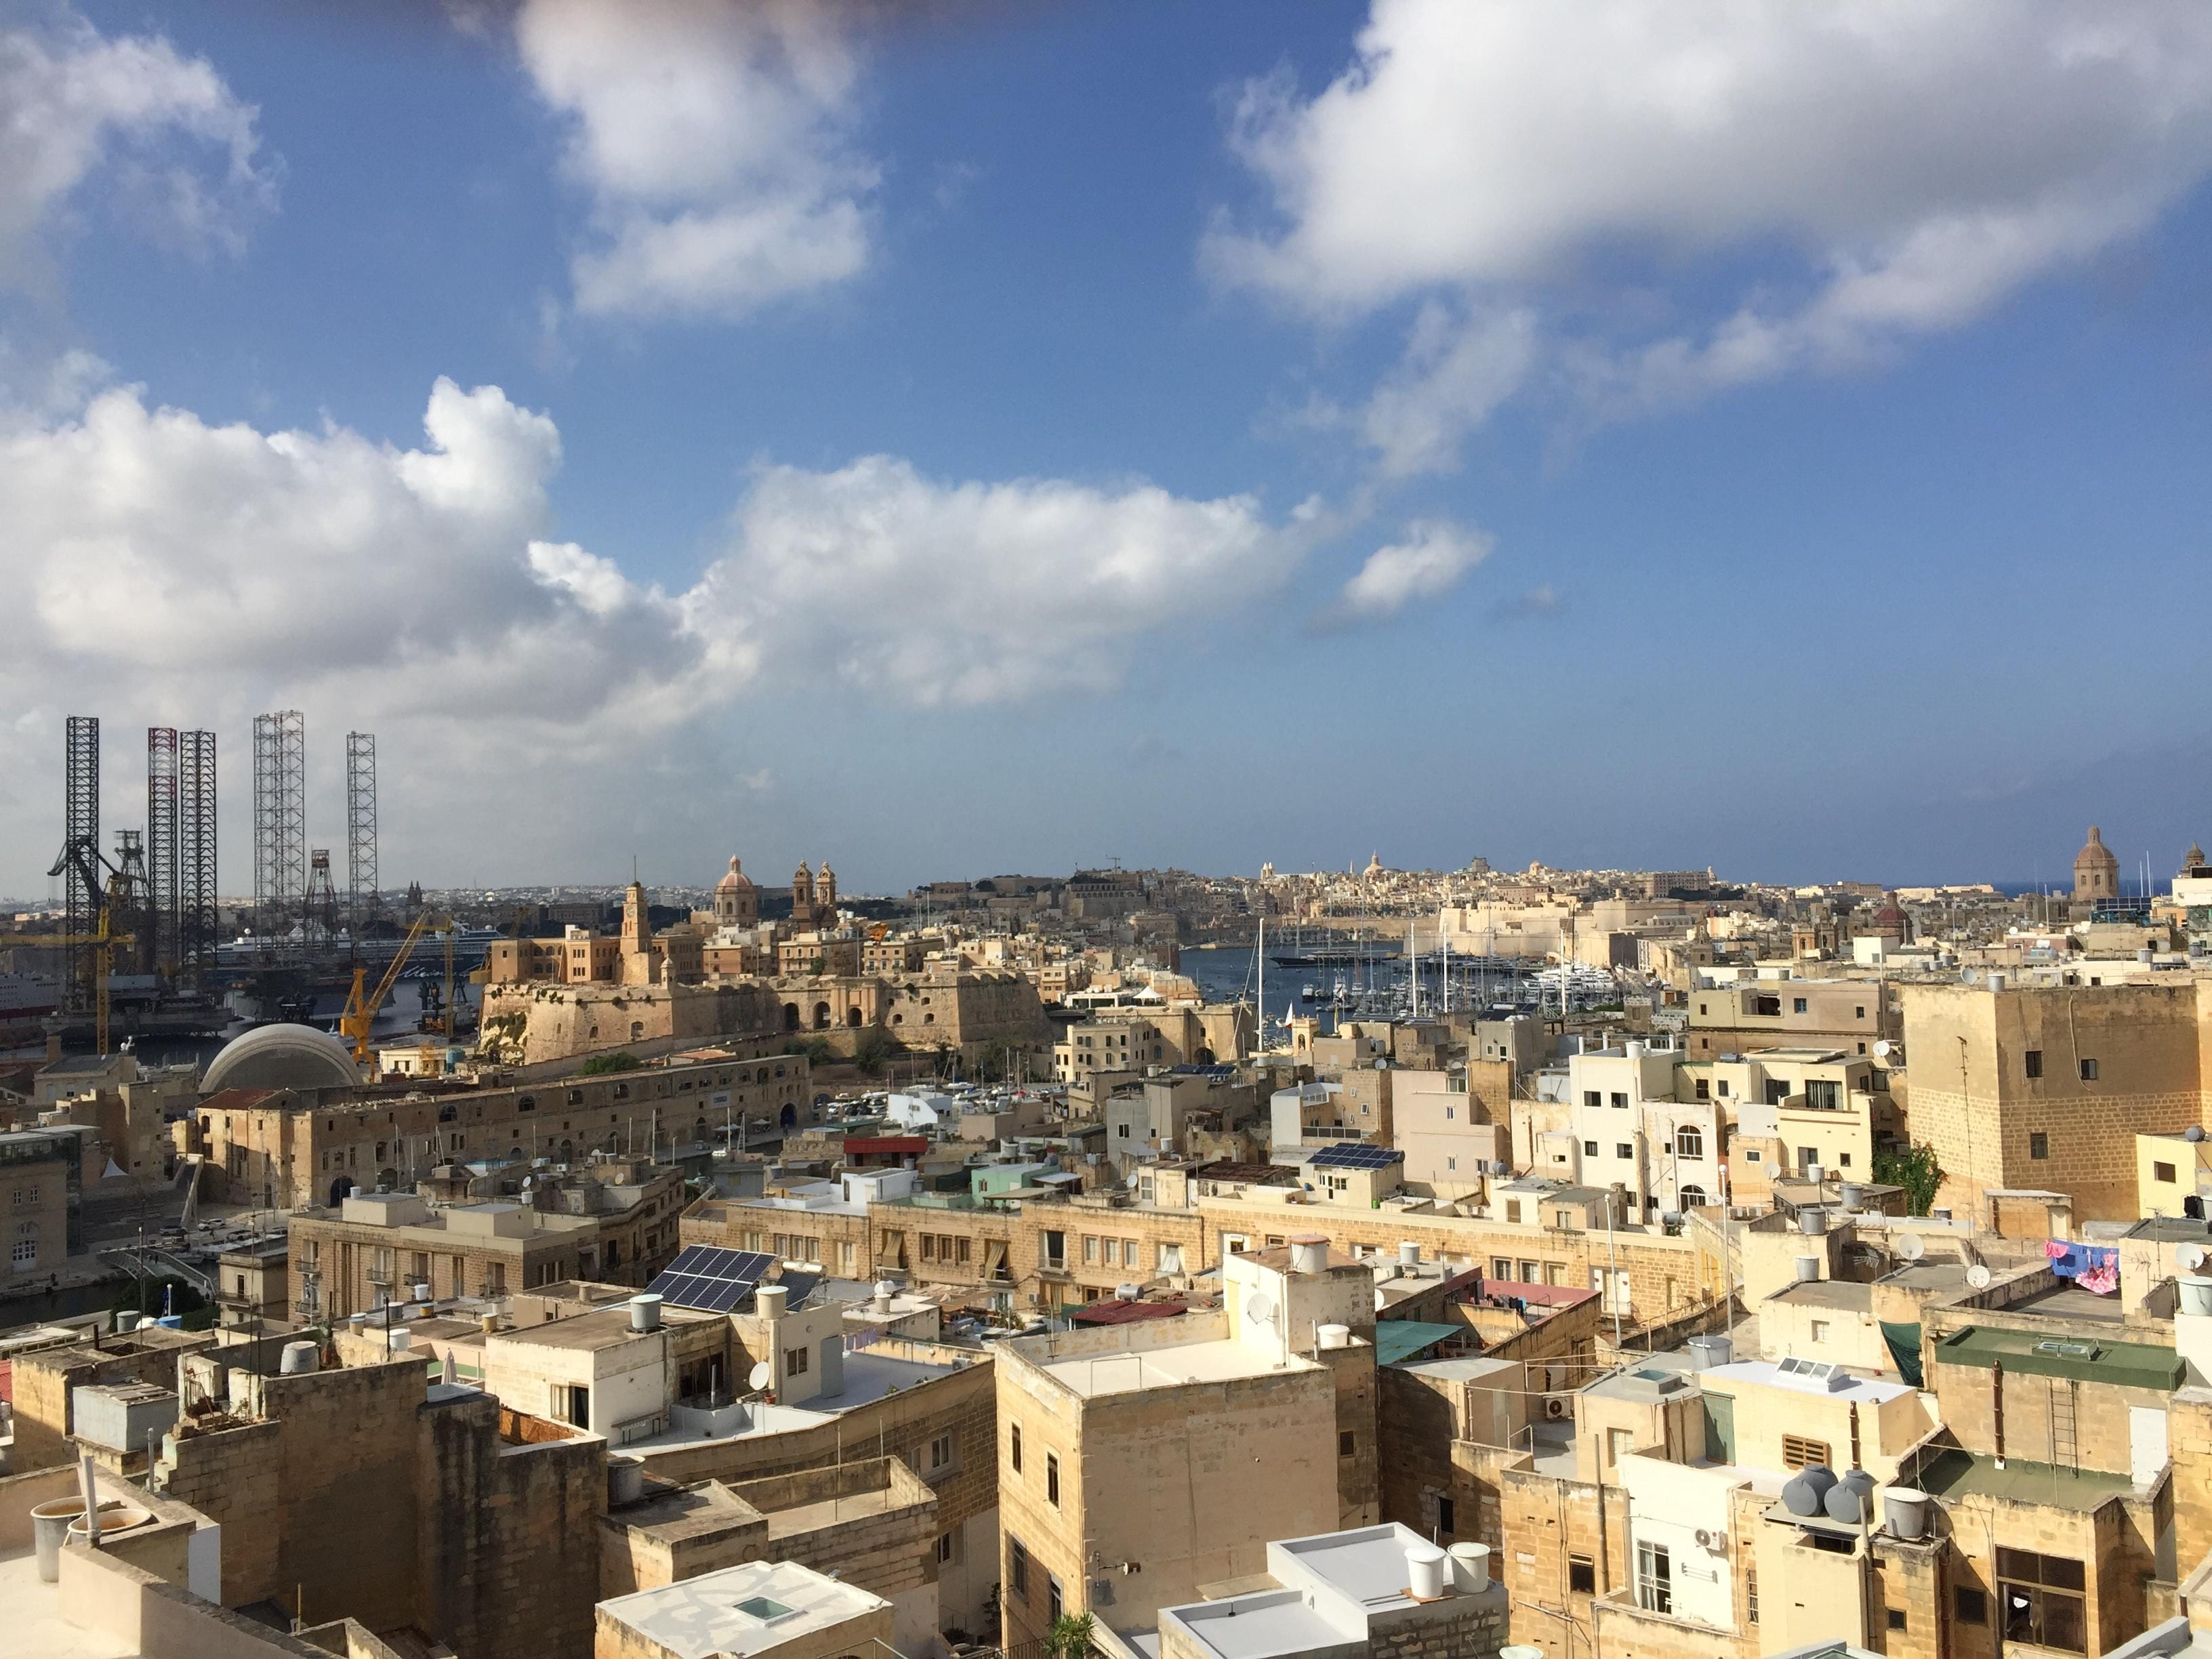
x=1424 y=1573
x=768 y=1300
x=399 y=1340
x=1809 y=1269
x=1635 y=1048
x=1333 y=1336
x=1906 y=1512
x=645 y=1311
x=127 y=1320
x=298 y=1359
x=1852 y=1195
x=2196 y=1292
x=1309 y=1253
x=886 y=1294
x=1997 y=981
x=1409 y=1254
x=1470 y=1564
x=1707 y=1352
x=1816 y=1173
x=422 y=1292
x=1813 y=1221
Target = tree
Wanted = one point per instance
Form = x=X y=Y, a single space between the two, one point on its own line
x=600 y=1065
x=1070 y=1637
x=1914 y=1168
x=873 y=1049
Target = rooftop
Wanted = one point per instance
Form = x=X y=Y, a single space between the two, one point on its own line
x=1218 y=1361
x=1960 y=1474
x=1833 y=1383
x=741 y=1610
x=2070 y=1302
x=2084 y=1358
x=1828 y=1293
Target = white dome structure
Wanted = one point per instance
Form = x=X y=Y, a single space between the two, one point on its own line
x=282 y=1057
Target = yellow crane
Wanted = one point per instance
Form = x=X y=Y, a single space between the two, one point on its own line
x=103 y=945
x=362 y=1006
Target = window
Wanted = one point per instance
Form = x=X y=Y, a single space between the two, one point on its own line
x=1896 y=1618
x=945 y=1550
x=1723 y=1089
x=1750 y=1595
x=960 y=1251
x=1969 y=1606
x=1581 y=1574
x=1859 y=1012
x=1797 y=1452
x=794 y=1362
x=1623 y=1149
x=1051 y=1478
x=1444 y=1516
x=1129 y=1252
x=24 y=1252
x=2030 y=1062
x=1590 y=1149
x=2088 y=1071
x=2038 y=1145
x=1704 y=1087
x=1055 y=1601
x=1089 y=1248
x=1689 y=1141
x=2162 y=1172
x=1512 y=1209
x=1619 y=1101
x=579 y=1405
x=940 y=1452
x=1500 y=1267
x=1592 y=1097
x=1820 y=1330
x=2039 y=1598
x=1014 y=1446
x=1618 y=1443
x=1823 y=1094
x=1693 y=1197
x=1771 y=1007
x=1654 y=1579
x=1018 y=1568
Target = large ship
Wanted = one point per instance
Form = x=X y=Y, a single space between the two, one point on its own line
x=26 y=1005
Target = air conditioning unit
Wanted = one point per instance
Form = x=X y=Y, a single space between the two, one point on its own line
x=1717 y=1542
x=1555 y=1407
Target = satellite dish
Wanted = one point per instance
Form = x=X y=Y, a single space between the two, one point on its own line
x=1259 y=1310
x=1911 y=1246
x=1978 y=1277
x=762 y=1375
x=2190 y=1256
x=1882 y=1049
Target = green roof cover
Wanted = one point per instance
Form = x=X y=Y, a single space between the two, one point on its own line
x=1397 y=1340
x=2084 y=1358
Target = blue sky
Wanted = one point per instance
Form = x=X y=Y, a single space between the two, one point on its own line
x=1136 y=431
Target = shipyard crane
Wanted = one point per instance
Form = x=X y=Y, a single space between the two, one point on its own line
x=362 y=1006
x=82 y=857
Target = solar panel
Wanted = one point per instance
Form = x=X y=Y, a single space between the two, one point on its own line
x=1359 y=1157
x=709 y=1277
x=801 y=1285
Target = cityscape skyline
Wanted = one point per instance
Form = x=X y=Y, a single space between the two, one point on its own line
x=1035 y=388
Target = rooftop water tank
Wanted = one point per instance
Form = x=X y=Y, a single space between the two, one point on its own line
x=1906 y=1511
x=1309 y=1253
x=298 y=1359
x=1470 y=1564
x=645 y=1311
x=1333 y=1336
x=1806 y=1494
x=1851 y=1499
x=1424 y=1573
x=1809 y=1269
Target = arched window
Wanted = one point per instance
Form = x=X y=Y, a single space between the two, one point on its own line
x=821 y=1016
x=527 y=1103
x=1689 y=1141
x=853 y=1017
x=24 y=1252
x=1693 y=1197
x=790 y=1016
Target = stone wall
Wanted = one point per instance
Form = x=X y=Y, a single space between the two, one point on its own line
x=230 y=1475
x=524 y=1024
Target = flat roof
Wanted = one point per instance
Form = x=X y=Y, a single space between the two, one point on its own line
x=1218 y=1361
x=1960 y=1474
x=2084 y=1358
x=741 y=1610
x=1259 y=1626
x=1828 y=1293
x=1866 y=1390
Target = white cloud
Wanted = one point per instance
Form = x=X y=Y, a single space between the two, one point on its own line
x=176 y=144
x=162 y=569
x=938 y=593
x=1455 y=372
x=716 y=138
x=1434 y=558
x=1891 y=168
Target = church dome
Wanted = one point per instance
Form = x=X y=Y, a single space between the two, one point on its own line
x=736 y=879
x=282 y=1057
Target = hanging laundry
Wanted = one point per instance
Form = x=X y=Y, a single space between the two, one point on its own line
x=2091 y=1267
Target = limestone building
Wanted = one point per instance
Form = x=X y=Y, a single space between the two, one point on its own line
x=2096 y=872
